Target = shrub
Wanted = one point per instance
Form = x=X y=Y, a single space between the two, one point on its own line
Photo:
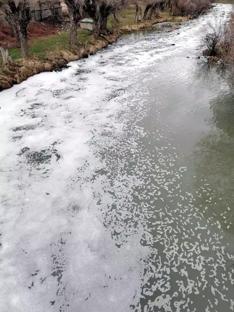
x=189 y=7
x=218 y=41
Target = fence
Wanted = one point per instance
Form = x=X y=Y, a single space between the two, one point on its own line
x=47 y=10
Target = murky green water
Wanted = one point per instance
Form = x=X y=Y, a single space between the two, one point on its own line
x=117 y=181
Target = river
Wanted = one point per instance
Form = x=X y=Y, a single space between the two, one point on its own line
x=117 y=181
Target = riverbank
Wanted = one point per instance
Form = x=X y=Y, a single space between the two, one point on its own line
x=220 y=44
x=52 y=52
x=229 y=58
x=116 y=184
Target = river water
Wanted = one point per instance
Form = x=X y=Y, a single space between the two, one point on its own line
x=117 y=181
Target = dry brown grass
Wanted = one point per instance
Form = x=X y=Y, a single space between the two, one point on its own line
x=220 y=42
x=190 y=7
x=230 y=55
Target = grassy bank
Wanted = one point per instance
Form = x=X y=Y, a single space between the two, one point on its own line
x=40 y=47
x=52 y=52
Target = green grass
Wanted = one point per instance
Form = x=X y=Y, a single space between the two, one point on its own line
x=127 y=16
x=15 y=53
x=39 y=47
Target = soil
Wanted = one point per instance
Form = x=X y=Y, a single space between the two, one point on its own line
x=35 y=30
x=22 y=69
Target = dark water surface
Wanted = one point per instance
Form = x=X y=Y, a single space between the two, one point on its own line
x=117 y=181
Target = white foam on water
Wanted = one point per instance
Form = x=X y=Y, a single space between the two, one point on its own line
x=58 y=249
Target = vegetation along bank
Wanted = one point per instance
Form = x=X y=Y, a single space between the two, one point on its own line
x=38 y=35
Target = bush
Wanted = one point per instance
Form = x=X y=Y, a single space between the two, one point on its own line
x=218 y=41
x=190 y=7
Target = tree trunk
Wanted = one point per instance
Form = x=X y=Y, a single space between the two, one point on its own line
x=23 y=46
x=14 y=29
x=18 y=15
x=139 y=13
x=73 y=34
x=103 y=25
x=145 y=16
x=40 y=11
x=101 y=20
x=23 y=40
x=97 y=29
x=16 y=34
x=5 y=56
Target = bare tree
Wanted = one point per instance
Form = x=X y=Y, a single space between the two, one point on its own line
x=18 y=15
x=56 y=11
x=152 y=7
x=145 y=9
x=100 y=10
x=189 y=7
x=75 y=14
x=104 y=9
